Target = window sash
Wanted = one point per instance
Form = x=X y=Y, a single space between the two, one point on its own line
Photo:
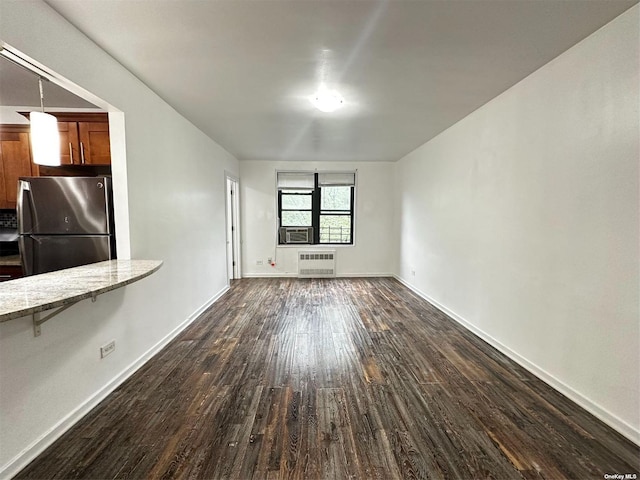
x=336 y=198
x=304 y=204
x=336 y=234
x=284 y=223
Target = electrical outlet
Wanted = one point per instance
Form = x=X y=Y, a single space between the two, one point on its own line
x=413 y=273
x=269 y=261
x=258 y=262
x=107 y=349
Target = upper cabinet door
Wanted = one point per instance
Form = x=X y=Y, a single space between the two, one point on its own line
x=15 y=162
x=94 y=143
x=69 y=144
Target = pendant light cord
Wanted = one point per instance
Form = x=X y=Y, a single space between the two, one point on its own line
x=41 y=94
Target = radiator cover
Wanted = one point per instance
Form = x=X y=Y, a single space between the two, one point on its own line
x=316 y=264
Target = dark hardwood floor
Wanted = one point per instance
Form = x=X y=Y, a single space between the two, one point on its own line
x=343 y=378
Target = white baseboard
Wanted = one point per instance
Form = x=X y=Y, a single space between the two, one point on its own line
x=295 y=275
x=269 y=275
x=27 y=455
x=596 y=410
x=363 y=275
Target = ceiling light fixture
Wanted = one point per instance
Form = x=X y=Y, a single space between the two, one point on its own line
x=326 y=100
x=45 y=138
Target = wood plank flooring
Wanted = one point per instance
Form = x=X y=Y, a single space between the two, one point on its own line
x=333 y=379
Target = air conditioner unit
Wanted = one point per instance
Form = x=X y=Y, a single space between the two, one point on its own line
x=296 y=235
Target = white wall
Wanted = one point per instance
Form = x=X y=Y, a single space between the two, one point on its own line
x=522 y=220
x=372 y=253
x=176 y=209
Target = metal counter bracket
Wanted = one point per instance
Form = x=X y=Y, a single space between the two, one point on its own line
x=38 y=320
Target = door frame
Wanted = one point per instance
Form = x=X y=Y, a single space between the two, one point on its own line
x=232 y=226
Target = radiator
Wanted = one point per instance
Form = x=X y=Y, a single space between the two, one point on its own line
x=317 y=264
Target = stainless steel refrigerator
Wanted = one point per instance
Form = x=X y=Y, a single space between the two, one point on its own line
x=64 y=222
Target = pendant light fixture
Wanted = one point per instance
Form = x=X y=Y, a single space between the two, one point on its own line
x=45 y=138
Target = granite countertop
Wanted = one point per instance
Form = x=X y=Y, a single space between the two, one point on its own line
x=10 y=261
x=38 y=293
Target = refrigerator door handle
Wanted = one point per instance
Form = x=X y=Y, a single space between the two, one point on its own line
x=27 y=252
x=24 y=206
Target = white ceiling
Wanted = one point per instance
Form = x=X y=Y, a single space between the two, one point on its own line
x=242 y=70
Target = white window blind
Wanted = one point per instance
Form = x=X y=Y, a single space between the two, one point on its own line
x=295 y=181
x=342 y=179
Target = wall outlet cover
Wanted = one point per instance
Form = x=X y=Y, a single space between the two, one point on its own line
x=107 y=349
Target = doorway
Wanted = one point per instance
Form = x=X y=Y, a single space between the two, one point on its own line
x=233 y=232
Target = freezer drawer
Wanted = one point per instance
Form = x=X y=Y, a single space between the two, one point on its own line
x=46 y=253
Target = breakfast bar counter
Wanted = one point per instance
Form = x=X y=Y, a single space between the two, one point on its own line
x=63 y=288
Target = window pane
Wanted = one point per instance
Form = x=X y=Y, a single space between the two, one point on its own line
x=335 y=228
x=297 y=202
x=335 y=198
x=296 y=219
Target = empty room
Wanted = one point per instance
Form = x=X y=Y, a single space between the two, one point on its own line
x=320 y=239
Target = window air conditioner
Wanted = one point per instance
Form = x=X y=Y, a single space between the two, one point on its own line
x=296 y=235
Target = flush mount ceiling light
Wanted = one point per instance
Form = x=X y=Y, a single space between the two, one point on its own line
x=45 y=138
x=326 y=100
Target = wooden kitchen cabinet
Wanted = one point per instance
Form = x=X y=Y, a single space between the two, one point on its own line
x=15 y=162
x=10 y=272
x=69 y=143
x=94 y=143
x=84 y=138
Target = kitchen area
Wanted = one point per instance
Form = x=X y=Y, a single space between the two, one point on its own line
x=84 y=152
x=57 y=221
